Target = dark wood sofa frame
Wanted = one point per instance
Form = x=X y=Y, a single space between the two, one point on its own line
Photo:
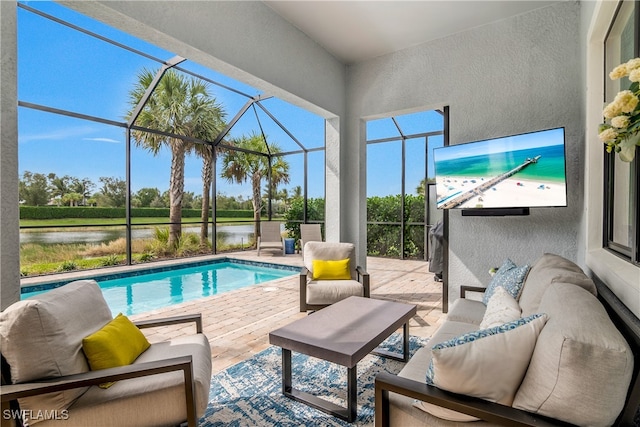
x=11 y=392
x=626 y=322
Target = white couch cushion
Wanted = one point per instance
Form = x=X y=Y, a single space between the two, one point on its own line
x=41 y=337
x=581 y=367
x=502 y=308
x=550 y=268
x=489 y=363
x=467 y=311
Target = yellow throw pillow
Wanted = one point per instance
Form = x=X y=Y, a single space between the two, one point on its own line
x=331 y=270
x=118 y=343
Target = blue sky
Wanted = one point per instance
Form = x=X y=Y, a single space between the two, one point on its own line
x=62 y=68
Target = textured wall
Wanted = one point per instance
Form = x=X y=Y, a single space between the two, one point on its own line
x=9 y=214
x=517 y=75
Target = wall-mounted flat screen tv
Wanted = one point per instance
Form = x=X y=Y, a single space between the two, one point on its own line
x=518 y=171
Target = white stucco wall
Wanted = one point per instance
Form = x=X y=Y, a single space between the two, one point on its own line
x=517 y=75
x=9 y=211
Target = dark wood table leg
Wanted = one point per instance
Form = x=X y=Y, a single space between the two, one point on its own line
x=352 y=393
x=404 y=357
x=405 y=344
x=286 y=371
x=348 y=414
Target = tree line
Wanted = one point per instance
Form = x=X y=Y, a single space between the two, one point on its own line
x=38 y=189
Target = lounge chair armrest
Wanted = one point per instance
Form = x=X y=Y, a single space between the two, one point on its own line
x=152 y=323
x=85 y=379
x=304 y=272
x=363 y=277
x=485 y=410
x=464 y=289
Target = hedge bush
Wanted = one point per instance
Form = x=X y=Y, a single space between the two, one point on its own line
x=59 y=212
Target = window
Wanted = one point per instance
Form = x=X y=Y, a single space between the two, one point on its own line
x=621 y=191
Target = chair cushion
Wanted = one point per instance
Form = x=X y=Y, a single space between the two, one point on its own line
x=469 y=364
x=331 y=270
x=124 y=403
x=502 y=308
x=550 y=268
x=41 y=337
x=581 y=367
x=331 y=291
x=118 y=343
x=330 y=251
x=509 y=276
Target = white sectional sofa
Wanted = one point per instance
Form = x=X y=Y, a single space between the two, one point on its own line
x=582 y=370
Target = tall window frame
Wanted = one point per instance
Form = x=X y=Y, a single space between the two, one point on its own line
x=621 y=227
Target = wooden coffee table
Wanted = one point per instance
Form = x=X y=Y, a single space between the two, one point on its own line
x=342 y=333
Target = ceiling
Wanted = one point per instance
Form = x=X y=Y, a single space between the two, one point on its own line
x=355 y=31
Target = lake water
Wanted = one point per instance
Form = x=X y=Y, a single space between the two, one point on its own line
x=233 y=234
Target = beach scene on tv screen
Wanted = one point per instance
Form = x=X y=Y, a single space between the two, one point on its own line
x=525 y=170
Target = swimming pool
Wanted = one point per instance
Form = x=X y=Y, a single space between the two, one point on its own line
x=144 y=290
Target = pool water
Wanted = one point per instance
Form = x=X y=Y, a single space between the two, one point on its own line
x=145 y=292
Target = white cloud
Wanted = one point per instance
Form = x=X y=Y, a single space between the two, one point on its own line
x=78 y=132
x=111 y=140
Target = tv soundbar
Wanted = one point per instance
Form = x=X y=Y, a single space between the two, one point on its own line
x=495 y=212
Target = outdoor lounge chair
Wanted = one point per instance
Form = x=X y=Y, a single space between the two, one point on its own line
x=270 y=236
x=46 y=374
x=319 y=289
x=309 y=233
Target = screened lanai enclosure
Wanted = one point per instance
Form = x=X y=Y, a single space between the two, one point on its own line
x=129 y=153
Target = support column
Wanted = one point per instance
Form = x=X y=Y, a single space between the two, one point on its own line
x=9 y=195
x=332 y=180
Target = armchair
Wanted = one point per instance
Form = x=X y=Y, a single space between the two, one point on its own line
x=46 y=376
x=317 y=293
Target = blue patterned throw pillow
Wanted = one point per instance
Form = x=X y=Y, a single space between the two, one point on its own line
x=510 y=277
x=470 y=337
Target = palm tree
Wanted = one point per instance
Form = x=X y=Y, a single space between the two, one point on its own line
x=241 y=166
x=178 y=106
x=213 y=121
x=59 y=186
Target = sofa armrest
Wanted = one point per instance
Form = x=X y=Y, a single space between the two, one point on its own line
x=185 y=364
x=464 y=289
x=152 y=323
x=363 y=277
x=485 y=410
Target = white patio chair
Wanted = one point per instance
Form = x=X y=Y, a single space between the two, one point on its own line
x=317 y=291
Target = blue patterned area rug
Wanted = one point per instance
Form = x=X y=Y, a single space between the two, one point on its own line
x=250 y=392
